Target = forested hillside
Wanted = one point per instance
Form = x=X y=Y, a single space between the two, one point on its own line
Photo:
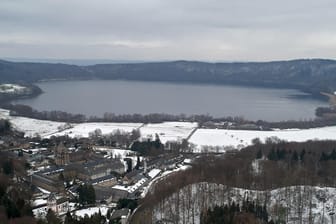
x=292 y=180
x=309 y=75
x=17 y=72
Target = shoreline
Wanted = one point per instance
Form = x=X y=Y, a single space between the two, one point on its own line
x=205 y=120
x=5 y=114
x=300 y=95
x=202 y=140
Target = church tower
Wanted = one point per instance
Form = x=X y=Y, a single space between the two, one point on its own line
x=61 y=155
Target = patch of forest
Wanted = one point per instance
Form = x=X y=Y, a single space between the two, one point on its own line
x=258 y=167
x=248 y=212
x=205 y=121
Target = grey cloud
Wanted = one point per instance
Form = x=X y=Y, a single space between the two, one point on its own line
x=174 y=29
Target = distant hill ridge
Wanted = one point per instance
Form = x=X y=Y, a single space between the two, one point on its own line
x=311 y=75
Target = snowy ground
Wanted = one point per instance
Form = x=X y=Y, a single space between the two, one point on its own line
x=211 y=140
x=91 y=211
x=164 y=174
x=83 y=129
x=32 y=127
x=11 y=88
x=222 y=139
x=168 y=131
x=115 y=152
x=120 y=154
x=296 y=204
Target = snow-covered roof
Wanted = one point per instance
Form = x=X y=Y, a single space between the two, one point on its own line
x=187 y=161
x=34 y=151
x=153 y=173
x=132 y=188
x=43 y=190
x=39 y=202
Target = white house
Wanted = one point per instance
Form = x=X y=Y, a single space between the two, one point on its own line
x=59 y=205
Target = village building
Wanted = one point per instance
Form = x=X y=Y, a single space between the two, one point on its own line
x=48 y=179
x=59 y=205
x=122 y=214
x=110 y=194
x=80 y=156
x=132 y=177
x=108 y=180
x=95 y=169
x=61 y=155
x=47 y=182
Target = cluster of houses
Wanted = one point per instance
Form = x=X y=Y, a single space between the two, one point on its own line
x=57 y=173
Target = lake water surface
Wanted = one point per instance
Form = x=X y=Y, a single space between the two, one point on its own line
x=127 y=97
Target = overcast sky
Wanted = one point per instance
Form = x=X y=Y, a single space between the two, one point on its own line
x=212 y=30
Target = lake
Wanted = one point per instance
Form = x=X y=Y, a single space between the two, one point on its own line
x=95 y=97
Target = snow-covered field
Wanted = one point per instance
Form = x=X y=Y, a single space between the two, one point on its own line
x=83 y=129
x=295 y=204
x=32 y=127
x=213 y=140
x=222 y=139
x=168 y=131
